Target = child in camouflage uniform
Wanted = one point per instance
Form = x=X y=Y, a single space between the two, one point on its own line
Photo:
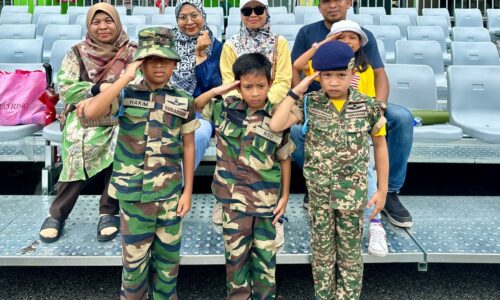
x=338 y=121
x=253 y=169
x=157 y=124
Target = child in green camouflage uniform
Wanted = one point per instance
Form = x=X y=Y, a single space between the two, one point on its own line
x=253 y=168
x=338 y=121
x=157 y=124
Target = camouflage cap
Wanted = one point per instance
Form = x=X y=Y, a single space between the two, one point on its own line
x=156 y=41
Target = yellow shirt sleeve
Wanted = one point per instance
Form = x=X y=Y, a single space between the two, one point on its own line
x=381 y=132
x=283 y=79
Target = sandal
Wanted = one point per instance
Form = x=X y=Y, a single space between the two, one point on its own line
x=107 y=221
x=53 y=224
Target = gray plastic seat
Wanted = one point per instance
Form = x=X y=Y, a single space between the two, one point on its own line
x=45 y=10
x=474 y=53
x=57 y=32
x=59 y=50
x=470 y=34
x=361 y=19
x=381 y=50
x=282 y=19
x=474 y=102
x=52 y=133
x=300 y=11
x=12 y=18
x=287 y=31
x=313 y=17
x=403 y=21
x=438 y=12
x=234 y=19
x=122 y=10
x=277 y=10
x=408 y=11
x=436 y=21
x=430 y=33
x=414 y=87
x=470 y=17
x=214 y=20
x=166 y=19
x=388 y=34
x=147 y=11
x=218 y=11
x=47 y=20
x=232 y=30
x=21 y=51
x=17 y=31
x=131 y=22
x=16 y=132
x=424 y=53
x=493 y=17
x=375 y=12
x=15 y=9
x=74 y=11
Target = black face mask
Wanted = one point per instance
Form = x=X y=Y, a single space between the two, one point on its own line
x=247 y=11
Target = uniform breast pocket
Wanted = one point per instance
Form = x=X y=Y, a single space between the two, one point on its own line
x=136 y=114
x=357 y=131
x=229 y=130
x=264 y=145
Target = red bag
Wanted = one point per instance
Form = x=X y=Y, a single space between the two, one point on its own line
x=20 y=93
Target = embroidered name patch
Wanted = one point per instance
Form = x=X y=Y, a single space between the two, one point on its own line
x=176 y=111
x=356 y=110
x=177 y=102
x=264 y=131
x=320 y=114
x=138 y=103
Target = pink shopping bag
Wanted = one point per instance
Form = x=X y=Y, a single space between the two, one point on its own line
x=19 y=97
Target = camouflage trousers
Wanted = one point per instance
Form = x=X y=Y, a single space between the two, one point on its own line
x=250 y=253
x=336 y=262
x=151 y=236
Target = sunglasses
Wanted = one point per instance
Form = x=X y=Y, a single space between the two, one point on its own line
x=247 y=11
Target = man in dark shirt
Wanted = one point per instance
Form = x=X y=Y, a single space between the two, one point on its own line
x=399 y=119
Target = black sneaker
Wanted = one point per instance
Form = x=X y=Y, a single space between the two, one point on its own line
x=397 y=214
x=305 y=204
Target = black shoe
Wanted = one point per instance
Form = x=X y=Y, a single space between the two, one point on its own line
x=107 y=221
x=54 y=224
x=305 y=204
x=397 y=214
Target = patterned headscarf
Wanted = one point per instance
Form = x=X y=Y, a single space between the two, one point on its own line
x=252 y=41
x=97 y=56
x=184 y=75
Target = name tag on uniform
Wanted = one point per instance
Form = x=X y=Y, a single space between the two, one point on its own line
x=175 y=111
x=177 y=102
x=320 y=114
x=138 y=103
x=356 y=110
x=264 y=131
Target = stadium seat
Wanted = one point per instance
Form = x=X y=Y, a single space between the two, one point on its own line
x=122 y=10
x=414 y=87
x=49 y=19
x=46 y=10
x=277 y=10
x=12 y=18
x=300 y=11
x=232 y=30
x=429 y=33
x=17 y=31
x=403 y=21
x=470 y=34
x=169 y=10
x=314 y=17
x=361 y=19
x=389 y=34
x=131 y=22
x=214 y=20
x=215 y=32
x=381 y=50
x=75 y=11
x=409 y=11
x=234 y=19
x=375 y=12
x=147 y=11
x=436 y=21
x=21 y=51
x=437 y=12
x=288 y=31
x=473 y=101
x=234 y=11
x=285 y=19
x=474 y=53
x=424 y=53
x=218 y=11
x=57 y=32
x=493 y=17
x=164 y=20
x=59 y=50
x=15 y=9
x=468 y=17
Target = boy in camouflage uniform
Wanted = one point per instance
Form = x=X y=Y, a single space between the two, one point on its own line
x=157 y=125
x=339 y=121
x=253 y=168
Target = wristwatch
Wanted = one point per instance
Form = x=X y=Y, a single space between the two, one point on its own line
x=382 y=105
x=293 y=95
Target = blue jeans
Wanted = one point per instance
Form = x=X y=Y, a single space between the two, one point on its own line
x=399 y=143
x=202 y=137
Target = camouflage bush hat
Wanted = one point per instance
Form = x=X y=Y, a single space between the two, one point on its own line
x=156 y=41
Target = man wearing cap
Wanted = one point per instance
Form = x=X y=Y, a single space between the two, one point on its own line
x=157 y=124
x=399 y=119
x=338 y=121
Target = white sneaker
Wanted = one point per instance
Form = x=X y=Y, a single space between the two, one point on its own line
x=280 y=234
x=217 y=213
x=377 y=241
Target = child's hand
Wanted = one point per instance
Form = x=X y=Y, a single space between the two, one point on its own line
x=378 y=200
x=280 y=209
x=330 y=38
x=184 y=205
x=225 y=88
x=203 y=41
x=302 y=87
x=131 y=69
x=80 y=107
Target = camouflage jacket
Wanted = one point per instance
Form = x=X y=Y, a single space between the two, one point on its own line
x=337 y=147
x=248 y=173
x=147 y=161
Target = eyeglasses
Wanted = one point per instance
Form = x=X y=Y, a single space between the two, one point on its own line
x=247 y=11
x=184 y=18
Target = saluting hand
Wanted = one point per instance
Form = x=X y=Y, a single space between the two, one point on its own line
x=131 y=69
x=225 y=88
x=203 y=41
x=302 y=87
x=330 y=38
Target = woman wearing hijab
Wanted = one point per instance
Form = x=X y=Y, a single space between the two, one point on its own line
x=198 y=71
x=87 y=149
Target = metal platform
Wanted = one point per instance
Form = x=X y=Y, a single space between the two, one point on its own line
x=446 y=229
